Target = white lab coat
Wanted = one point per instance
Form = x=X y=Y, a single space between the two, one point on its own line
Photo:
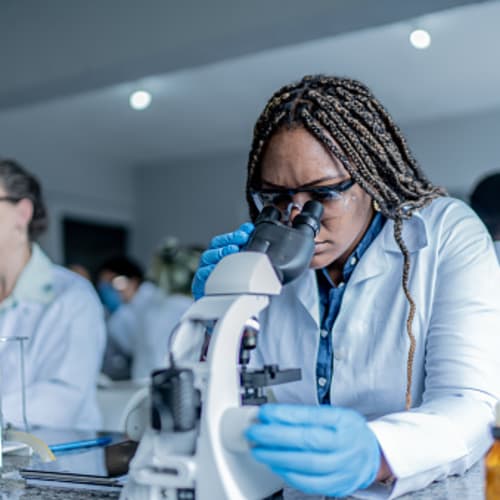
x=62 y=355
x=455 y=282
x=142 y=327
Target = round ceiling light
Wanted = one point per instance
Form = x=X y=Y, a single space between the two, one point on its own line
x=420 y=39
x=140 y=99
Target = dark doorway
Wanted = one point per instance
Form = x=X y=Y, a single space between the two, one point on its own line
x=89 y=243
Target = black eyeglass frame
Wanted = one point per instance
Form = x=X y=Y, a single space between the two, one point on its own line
x=319 y=193
x=10 y=199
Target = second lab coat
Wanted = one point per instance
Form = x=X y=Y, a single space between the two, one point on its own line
x=142 y=327
x=455 y=282
x=63 y=353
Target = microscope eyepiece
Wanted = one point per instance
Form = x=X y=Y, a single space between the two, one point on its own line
x=310 y=217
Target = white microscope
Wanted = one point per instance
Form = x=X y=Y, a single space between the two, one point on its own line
x=192 y=445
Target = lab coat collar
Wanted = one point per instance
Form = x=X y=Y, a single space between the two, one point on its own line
x=415 y=234
x=375 y=259
x=36 y=281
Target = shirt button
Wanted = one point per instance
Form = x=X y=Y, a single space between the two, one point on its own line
x=353 y=261
x=339 y=354
x=341 y=284
x=322 y=381
x=323 y=333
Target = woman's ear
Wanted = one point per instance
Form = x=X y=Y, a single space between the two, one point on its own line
x=24 y=211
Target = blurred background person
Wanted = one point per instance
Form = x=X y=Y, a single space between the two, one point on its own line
x=485 y=200
x=174 y=265
x=55 y=308
x=141 y=317
x=81 y=270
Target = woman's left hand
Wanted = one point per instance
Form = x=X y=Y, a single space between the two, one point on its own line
x=321 y=450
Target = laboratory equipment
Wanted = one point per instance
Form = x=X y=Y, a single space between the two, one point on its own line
x=21 y=340
x=492 y=461
x=81 y=444
x=193 y=446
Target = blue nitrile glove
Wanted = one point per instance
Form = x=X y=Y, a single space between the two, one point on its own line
x=322 y=450
x=220 y=246
x=109 y=296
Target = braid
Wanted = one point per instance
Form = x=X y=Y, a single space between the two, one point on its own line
x=398 y=227
x=370 y=147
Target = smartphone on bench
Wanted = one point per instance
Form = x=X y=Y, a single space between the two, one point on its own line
x=99 y=466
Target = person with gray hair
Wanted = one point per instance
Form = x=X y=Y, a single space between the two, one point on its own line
x=57 y=310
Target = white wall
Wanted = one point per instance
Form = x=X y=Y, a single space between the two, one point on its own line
x=456 y=152
x=192 y=199
x=88 y=192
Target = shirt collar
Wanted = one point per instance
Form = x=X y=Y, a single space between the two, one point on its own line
x=371 y=233
x=35 y=283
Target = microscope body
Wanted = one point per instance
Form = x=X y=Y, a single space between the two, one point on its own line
x=196 y=449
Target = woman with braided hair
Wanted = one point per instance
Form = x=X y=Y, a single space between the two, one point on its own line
x=396 y=325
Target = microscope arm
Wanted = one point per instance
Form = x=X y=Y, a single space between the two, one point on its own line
x=214 y=460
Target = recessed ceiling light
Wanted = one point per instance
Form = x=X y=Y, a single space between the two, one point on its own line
x=140 y=99
x=420 y=39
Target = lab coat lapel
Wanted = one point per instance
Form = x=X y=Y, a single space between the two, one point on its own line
x=296 y=317
x=306 y=291
x=375 y=261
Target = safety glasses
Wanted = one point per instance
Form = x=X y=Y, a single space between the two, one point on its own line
x=282 y=198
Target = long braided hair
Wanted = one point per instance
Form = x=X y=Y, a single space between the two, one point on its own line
x=372 y=149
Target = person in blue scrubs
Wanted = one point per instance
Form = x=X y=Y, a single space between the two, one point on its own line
x=396 y=326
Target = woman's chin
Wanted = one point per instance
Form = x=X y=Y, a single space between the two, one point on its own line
x=320 y=260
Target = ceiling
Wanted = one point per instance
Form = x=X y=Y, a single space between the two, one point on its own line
x=68 y=68
x=54 y=48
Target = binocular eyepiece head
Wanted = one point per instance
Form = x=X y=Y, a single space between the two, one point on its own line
x=309 y=217
x=290 y=249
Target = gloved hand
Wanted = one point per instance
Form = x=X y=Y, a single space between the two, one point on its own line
x=322 y=450
x=220 y=246
x=109 y=296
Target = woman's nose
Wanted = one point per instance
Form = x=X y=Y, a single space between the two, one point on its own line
x=293 y=209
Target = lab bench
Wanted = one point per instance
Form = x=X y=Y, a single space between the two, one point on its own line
x=467 y=487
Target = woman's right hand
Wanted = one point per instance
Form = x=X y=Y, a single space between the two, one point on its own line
x=220 y=246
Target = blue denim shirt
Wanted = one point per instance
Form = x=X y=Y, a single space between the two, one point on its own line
x=330 y=299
